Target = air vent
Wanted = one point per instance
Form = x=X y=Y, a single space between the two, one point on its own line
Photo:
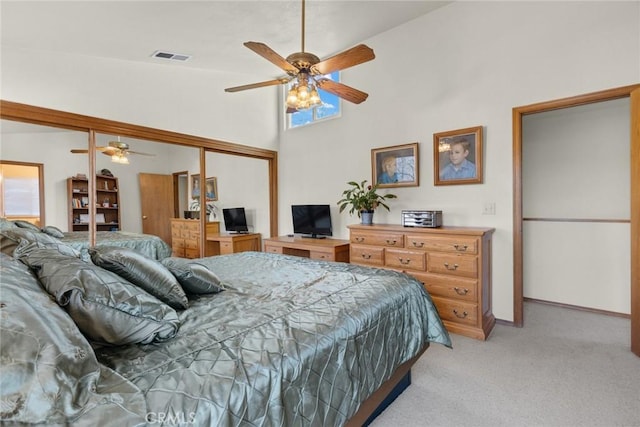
x=170 y=56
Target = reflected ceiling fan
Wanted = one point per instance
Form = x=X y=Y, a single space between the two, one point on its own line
x=118 y=151
x=308 y=71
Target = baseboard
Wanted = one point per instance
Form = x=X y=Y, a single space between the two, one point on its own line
x=579 y=308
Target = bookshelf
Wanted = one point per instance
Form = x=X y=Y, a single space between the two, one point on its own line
x=107 y=203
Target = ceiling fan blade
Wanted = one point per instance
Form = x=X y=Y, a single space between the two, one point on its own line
x=138 y=152
x=109 y=151
x=343 y=91
x=256 y=85
x=354 y=56
x=270 y=55
x=291 y=110
x=85 y=151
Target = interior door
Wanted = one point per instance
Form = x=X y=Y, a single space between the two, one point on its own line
x=156 y=204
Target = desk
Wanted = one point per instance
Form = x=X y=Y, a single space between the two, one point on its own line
x=321 y=249
x=230 y=243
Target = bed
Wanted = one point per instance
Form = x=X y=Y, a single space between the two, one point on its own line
x=147 y=244
x=285 y=341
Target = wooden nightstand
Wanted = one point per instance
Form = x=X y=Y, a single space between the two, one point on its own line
x=230 y=243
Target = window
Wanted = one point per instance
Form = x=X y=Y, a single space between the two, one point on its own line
x=330 y=107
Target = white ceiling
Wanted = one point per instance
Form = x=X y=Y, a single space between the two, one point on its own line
x=212 y=32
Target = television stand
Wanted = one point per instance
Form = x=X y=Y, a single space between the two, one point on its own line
x=313 y=236
x=326 y=249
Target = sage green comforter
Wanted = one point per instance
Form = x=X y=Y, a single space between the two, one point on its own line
x=290 y=342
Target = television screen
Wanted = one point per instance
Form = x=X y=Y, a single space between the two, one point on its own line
x=235 y=220
x=311 y=220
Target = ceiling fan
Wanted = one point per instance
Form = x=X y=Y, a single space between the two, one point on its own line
x=118 y=151
x=309 y=71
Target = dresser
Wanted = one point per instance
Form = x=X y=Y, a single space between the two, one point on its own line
x=453 y=264
x=185 y=236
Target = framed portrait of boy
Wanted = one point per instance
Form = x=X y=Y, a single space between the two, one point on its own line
x=211 y=189
x=395 y=166
x=457 y=156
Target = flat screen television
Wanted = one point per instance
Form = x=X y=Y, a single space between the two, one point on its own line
x=235 y=220
x=311 y=220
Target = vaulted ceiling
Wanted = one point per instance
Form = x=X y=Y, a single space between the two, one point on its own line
x=210 y=32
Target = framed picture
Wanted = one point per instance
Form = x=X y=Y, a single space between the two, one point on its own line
x=457 y=156
x=395 y=166
x=195 y=186
x=211 y=189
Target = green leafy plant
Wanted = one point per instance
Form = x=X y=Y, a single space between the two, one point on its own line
x=363 y=198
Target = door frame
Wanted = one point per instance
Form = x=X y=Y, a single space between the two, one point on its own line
x=633 y=92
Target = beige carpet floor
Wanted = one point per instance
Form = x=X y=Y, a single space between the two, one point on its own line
x=565 y=367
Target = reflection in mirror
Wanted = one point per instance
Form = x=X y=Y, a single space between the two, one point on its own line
x=241 y=182
x=51 y=147
x=21 y=189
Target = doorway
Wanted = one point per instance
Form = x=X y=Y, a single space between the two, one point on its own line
x=22 y=191
x=628 y=91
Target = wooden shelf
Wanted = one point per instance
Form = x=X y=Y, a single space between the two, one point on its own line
x=106 y=192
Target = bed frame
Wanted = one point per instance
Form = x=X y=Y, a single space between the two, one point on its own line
x=386 y=394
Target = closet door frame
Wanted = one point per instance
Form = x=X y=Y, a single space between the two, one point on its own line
x=632 y=91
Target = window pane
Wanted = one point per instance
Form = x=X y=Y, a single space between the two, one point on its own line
x=330 y=105
x=21 y=197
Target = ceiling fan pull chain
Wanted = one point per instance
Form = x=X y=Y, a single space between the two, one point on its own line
x=302 y=50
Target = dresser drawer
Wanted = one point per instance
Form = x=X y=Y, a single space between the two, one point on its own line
x=457 y=311
x=379 y=239
x=413 y=260
x=443 y=244
x=362 y=254
x=273 y=249
x=449 y=287
x=456 y=265
x=324 y=256
x=191 y=244
x=192 y=253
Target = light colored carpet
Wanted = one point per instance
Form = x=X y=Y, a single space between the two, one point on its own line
x=563 y=368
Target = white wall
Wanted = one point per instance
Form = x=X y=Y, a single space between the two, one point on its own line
x=463 y=65
x=575 y=168
x=466 y=64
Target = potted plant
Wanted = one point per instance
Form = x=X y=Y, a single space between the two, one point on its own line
x=363 y=199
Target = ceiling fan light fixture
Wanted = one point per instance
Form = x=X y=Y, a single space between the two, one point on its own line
x=120 y=158
x=303 y=95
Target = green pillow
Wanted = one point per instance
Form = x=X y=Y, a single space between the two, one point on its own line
x=26 y=224
x=144 y=272
x=53 y=231
x=193 y=277
x=105 y=307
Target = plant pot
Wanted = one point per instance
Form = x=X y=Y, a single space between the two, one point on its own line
x=366 y=217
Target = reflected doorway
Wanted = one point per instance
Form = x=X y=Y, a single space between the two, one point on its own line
x=22 y=191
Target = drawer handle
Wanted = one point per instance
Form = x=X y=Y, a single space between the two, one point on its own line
x=359 y=239
x=460 y=316
x=455 y=266
x=460 y=291
x=460 y=248
x=404 y=261
x=366 y=256
x=418 y=244
x=391 y=242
